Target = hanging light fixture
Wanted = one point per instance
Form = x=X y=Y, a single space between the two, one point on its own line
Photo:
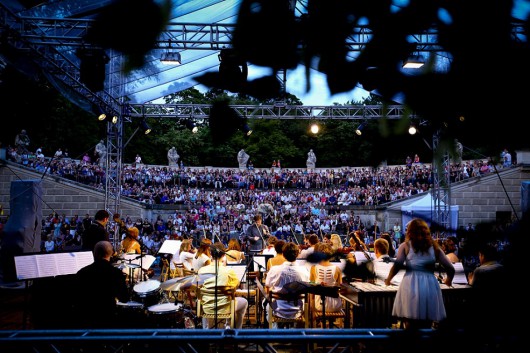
x=412 y=129
x=190 y=124
x=360 y=128
x=145 y=127
x=315 y=128
x=413 y=62
x=246 y=130
x=244 y=126
x=171 y=57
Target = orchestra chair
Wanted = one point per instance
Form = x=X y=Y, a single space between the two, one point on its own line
x=251 y=294
x=165 y=271
x=301 y=321
x=210 y=314
x=325 y=318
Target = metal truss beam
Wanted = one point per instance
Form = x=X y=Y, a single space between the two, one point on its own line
x=196 y=36
x=441 y=191
x=276 y=111
x=196 y=340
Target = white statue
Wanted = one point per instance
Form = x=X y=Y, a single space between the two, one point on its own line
x=101 y=153
x=173 y=157
x=459 y=150
x=311 y=159
x=242 y=159
x=22 y=141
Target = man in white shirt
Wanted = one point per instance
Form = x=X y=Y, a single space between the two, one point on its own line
x=383 y=263
x=280 y=275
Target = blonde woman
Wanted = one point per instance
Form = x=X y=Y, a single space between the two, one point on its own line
x=234 y=253
x=203 y=257
x=130 y=244
x=187 y=253
x=336 y=242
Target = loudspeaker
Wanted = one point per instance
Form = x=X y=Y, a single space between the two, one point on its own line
x=22 y=231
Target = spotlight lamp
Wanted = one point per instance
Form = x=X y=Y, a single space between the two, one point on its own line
x=315 y=128
x=412 y=129
x=192 y=126
x=414 y=62
x=360 y=128
x=171 y=57
x=102 y=117
x=145 y=127
x=114 y=119
x=246 y=130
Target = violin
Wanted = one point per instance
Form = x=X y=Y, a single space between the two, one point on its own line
x=120 y=223
x=346 y=249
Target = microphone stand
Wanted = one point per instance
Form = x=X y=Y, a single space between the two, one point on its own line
x=261 y=236
x=294 y=235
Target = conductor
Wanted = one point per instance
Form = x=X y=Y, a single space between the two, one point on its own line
x=256 y=235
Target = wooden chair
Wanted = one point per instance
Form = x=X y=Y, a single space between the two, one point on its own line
x=251 y=294
x=326 y=318
x=164 y=272
x=210 y=314
x=300 y=321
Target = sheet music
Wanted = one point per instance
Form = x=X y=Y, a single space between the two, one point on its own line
x=460 y=275
x=146 y=261
x=170 y=247
x=240 y=271
x=26 y=267
x=262 y=261
x=51 y=265
x=84 y=258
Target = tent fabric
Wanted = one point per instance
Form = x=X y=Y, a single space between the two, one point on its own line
x=423 y=208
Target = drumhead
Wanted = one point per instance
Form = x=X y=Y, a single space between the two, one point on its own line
x=148 y=286
x=130 y=304
x=164 y=308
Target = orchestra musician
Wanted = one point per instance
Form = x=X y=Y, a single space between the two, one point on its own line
x=130 y=243
x=103 y=284
x=256 y=235
x=96 y=231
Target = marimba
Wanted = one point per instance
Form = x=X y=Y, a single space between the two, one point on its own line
x=370 y=305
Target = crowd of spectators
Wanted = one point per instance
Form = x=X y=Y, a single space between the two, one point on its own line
x=362 y=186
x=221 y=201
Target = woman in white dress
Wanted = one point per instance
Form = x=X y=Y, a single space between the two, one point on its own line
x=419 y=302
x=203 y=256
x=327 y=274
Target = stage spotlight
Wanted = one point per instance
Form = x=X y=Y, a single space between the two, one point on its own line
x=315 y=128
x=190 y=124
x=146 y=129
x=412 y=129
x=246 y=130
x=102 y=117
x=360 y=128
x=414 y=62
x=114 y=119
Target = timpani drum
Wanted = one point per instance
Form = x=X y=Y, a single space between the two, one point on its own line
x=148 y=292
x=166 y=315
x=131 y=314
